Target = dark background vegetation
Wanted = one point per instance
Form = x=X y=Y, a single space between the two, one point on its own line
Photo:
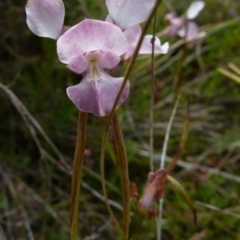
x=35 y=181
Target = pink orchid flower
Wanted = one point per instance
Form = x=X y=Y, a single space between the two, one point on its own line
x=183 y=26
x=127 y=14
x=90 y=48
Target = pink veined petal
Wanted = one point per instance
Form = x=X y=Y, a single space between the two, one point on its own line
x=97 y=97
x=146 y=47
x=132 y=34
x=194 y=9
x=189 y=32
x=91 y=35
x=78 y=64
x=45 y=17
x=127 y=13
x=109 y=60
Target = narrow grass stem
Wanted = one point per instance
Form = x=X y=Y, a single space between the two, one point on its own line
x=162 y=163
x=126 y=76
x=102 y=170
x=151 y=113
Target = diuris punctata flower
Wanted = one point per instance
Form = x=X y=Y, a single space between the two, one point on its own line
x=183 y=26
x=89 y=48
x=127 y=14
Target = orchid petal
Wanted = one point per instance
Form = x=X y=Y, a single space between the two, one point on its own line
x=189 y=32
x=109 y=19
x=146 y=47
x=78 y=64
x=97 y=97
x=109 y=60
x=127 y=13
x=45 y=17
x=194 y=9
x=132 y=34
x=91 y=35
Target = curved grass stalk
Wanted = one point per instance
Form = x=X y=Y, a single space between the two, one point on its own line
x=162 y=164
x=102 y=170
x=151 y=113
x=126 y=76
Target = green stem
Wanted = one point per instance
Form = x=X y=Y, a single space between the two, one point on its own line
x=123 y=164
x=77 y=172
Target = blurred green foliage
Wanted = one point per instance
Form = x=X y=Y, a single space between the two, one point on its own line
x=36 y=191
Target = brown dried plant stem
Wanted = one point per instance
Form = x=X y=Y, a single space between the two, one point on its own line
x=126 y=76
x=77 y=172
x=123 y=165
x=151 y=113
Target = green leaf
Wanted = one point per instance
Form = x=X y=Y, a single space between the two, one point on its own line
x=182 y=192
x=77 y=172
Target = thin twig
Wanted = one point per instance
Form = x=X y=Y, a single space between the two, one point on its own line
x=223 y=211
x=193 y=166
x=162 y=163
x=27 y=225
x=151 y=113
x=126 y=76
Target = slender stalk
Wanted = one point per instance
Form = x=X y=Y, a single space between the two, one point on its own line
x=151 y=114
x=77 y=172
x=102 y=172
x=162 y=164
x=123 y=164
x=126 y=76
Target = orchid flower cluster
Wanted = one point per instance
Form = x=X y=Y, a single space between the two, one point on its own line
x=93 y=47
x=184 y=27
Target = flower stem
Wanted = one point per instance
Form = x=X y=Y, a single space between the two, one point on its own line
x=123 y=164
x=77 y=172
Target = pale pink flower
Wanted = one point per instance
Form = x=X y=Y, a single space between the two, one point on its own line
x=127 y=14
x=183 y=26
x=90 y=48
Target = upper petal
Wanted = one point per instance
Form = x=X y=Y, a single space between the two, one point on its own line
x=189 y=32
x=109 y=60
x=127 y=13
x=132 y=34
x=91 y=35
x=194 y=9
x=97 y=97
x=45 y=17
x=146 y=47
